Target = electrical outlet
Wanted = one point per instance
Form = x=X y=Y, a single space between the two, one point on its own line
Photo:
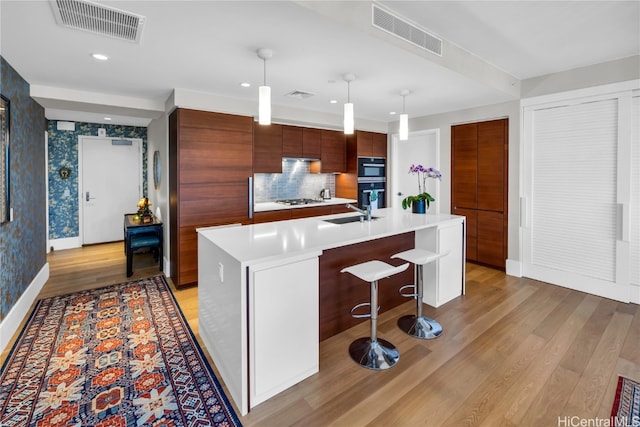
x=221 y=272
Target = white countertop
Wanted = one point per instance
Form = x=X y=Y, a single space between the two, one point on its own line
x=282 y=239
x=273 y=206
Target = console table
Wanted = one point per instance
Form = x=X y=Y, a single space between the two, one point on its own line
x=139 y=235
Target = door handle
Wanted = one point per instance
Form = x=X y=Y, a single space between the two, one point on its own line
x=87 y=198
x=400 y=193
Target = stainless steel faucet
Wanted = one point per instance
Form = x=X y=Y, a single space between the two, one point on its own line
x=364 y=212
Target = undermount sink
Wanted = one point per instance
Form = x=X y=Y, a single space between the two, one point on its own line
x=348 y=219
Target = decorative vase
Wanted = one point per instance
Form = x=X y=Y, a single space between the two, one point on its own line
x=419 y=206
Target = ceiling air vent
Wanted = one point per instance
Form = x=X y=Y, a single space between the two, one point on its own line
x=399 y=27
x=98 y=19
x=298 y=94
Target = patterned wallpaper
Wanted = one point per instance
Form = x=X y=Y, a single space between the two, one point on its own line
x=22 y=241
x=64 y=218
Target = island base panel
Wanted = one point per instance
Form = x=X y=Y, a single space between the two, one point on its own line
x=339 y=292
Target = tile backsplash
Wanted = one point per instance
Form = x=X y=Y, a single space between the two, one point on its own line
x=294 y=182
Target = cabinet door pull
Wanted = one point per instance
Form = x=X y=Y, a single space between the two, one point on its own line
x=250 y=197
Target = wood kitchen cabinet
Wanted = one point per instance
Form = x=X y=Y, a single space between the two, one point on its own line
x=370 y=144
x=210 y=162
x=285 y=214
x=311 y=211
x=267 y=148
x=270 y=216
x=333 y=158
x=299 y=142
x=479 y=182
x=360 y=144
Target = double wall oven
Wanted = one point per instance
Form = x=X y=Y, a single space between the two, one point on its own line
x=372 y=179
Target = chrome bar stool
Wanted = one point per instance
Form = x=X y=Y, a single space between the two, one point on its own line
x=371 y=352
x=417 y=325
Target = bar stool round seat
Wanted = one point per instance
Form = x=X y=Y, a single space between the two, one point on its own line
x=372 y=352
x=417 y=325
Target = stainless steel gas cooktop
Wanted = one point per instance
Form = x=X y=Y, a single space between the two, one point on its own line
x=292 y=202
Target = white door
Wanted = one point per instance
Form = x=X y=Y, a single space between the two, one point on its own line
x=110 y=186
x=421 y=148
x=576 y=194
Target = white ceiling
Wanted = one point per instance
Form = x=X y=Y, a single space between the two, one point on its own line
x=210 y=47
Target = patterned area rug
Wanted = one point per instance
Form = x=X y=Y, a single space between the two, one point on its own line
x=626 y=405
x=117 y=356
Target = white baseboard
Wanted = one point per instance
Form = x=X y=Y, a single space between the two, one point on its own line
x=20 y=310
x=514 y=268
x=66 y=243
x=635 y=294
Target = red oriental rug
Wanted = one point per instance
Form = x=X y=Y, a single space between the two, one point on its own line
x=116 y=356
x=626 y=405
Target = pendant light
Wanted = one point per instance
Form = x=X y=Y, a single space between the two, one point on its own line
x=348 y=107
x=264 y=91
x=404 y=117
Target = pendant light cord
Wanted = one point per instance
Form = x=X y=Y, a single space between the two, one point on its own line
x=264 y=77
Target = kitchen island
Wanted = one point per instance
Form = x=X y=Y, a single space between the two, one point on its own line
x=266 y=290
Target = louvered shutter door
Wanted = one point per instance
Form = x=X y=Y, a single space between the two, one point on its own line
x=573 y=203
x=634 y=208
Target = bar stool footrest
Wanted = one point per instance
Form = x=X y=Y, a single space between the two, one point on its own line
x=377 y=355
x=420 y=327
x=364 y=315
x=413 y=287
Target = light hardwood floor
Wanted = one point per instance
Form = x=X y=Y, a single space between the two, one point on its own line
x=514 y=352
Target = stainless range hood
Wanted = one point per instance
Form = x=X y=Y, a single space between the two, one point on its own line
x=303 y=159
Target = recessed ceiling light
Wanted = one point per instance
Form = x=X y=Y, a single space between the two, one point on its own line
x=392 y=113
x=99 y=56
x=107 y=118
x=245 y=84
x=333 y=101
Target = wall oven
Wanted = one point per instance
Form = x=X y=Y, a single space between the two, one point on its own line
x=372 y=167
x=365 y=188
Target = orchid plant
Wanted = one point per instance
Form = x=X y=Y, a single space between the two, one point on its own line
x=422 y=174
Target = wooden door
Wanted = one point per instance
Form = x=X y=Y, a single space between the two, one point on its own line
x=291 y=141
x=267 y=148
x=479 y=155
x=311 y=143
x=491 y=167
x=379 y=145
x=464 y=159
x=364 y=141
x=334 y=151
x=491 y=249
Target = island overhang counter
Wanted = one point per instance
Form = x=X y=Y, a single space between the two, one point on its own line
x=269 y=293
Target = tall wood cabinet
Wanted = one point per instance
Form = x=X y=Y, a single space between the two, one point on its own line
x=479 y=183
x=210 y=163
x=360 y=144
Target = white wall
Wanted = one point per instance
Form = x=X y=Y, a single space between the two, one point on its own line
x=621 y=70
x=158 y=139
